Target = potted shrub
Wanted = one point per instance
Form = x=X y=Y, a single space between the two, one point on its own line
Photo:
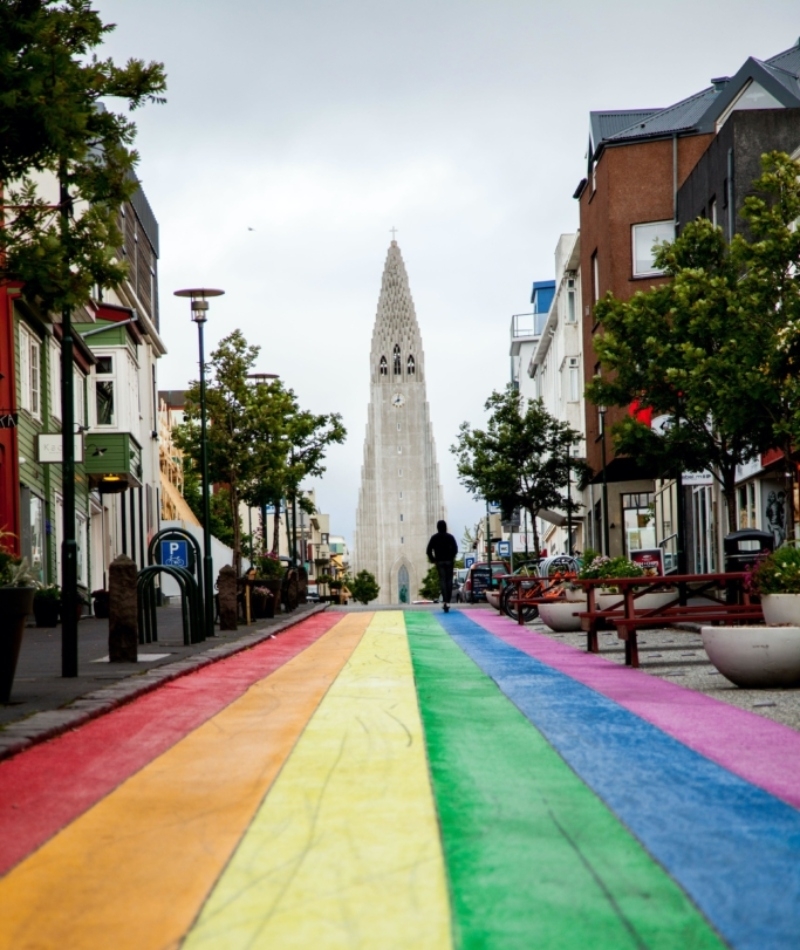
x=271 y=571
x=101 y=603
x=47 y=605
x=17 y=587
x=607 y=569
x=776 y=579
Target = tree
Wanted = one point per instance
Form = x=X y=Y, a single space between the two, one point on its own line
x=715 y=350
x=252 y=431
x=431 y=589
x=55 y=119
x=521 y=458
x=363 y=587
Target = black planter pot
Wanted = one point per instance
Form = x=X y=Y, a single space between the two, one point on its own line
x=46 y=612
x=101 y=608
x=16 y=603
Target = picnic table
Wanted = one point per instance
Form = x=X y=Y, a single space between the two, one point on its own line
x=698 y=598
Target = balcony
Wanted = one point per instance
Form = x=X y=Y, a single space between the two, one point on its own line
x=526 y=328
x=113 y=461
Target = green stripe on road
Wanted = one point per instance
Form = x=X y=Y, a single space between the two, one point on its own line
x=535 y=859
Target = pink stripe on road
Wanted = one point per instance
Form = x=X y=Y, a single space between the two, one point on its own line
x=763 y=752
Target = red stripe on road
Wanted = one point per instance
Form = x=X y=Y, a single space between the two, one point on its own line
x=45 y=788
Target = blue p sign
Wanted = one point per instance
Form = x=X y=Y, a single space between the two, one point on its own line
x=175 y=553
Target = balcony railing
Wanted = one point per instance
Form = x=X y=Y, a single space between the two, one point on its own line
x=527 y=325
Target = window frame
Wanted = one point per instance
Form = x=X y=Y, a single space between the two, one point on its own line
x=654 y=271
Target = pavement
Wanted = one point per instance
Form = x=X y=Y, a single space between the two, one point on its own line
x=44 y=704
x=409 y=779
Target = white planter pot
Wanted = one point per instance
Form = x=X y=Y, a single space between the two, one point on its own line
x=562 y=615
x=755 y=657
x=781 y=608
x=655 y=599
x=606 y=601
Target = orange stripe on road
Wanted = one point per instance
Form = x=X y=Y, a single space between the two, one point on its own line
x=135 y=869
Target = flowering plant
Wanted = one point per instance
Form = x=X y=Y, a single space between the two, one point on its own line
x=270 y=566
x=778 y=573
x=14 y=571
x=51 y=592
x=602 y=567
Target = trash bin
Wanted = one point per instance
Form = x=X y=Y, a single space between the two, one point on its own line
x=744 y=549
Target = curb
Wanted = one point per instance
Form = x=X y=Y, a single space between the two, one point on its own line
x=45 y=725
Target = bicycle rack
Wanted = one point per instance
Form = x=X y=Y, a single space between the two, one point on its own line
x=191 y=604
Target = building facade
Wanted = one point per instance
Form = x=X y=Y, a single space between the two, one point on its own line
x=401 y=497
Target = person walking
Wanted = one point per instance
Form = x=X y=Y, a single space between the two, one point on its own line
x=442 y=550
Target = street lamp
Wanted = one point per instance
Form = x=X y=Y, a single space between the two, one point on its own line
x=199 y=305
x=602 y=413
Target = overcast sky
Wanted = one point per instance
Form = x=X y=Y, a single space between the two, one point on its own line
x=321 y=124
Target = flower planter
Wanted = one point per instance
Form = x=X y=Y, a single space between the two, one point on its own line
x=46 y=612
x=562 y=615
x=755 y=657
x=781 y=608
x=605 y=601
x=655 y=599
x=101 y=604
x=16 y=603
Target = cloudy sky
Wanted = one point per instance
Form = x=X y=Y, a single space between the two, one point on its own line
x=321 y=124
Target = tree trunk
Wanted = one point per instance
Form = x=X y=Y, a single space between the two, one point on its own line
x=276 y=528
x=535 y=533
x=237 y=530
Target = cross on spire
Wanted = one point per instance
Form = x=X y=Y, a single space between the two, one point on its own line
x=393 y=232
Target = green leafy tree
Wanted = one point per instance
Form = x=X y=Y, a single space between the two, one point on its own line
x=521 y=458
x=251 y=434
x=363 y=587
x=716 y=350
x=430 y=588
x=56 y=125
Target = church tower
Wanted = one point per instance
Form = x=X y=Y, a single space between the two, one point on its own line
x=401 y=498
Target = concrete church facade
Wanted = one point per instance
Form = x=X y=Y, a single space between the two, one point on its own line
x=401 y=497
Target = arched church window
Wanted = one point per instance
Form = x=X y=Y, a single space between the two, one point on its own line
x=384 y=367
x=411 y=366
x=403 y=584
x=397 y=367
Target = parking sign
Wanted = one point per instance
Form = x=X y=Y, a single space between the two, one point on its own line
x=504 y=548
x=469 y=560
x=175 y=553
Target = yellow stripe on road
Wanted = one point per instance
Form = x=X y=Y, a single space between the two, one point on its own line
x=134 y=871
x=345 y=851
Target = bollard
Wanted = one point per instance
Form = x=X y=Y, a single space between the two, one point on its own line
x=123 y=624
x=228 y=607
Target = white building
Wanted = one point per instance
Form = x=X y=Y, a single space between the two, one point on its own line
x=401 y=498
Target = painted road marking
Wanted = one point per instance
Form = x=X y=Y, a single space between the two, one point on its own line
x=133 y=871
x=758 y=750
x=47 y=787
x=732 y=846
x=535 y=858
x=345 y=850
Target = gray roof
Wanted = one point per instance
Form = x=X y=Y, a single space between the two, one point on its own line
x=780 y=76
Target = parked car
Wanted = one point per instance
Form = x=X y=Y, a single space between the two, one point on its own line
x=459 y=576
x=478 y=580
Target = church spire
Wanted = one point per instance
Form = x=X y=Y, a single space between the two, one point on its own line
x=396 y=340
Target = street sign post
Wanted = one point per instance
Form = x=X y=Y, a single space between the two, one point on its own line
x=175 y=553
x=469 y=560
x=504 y=548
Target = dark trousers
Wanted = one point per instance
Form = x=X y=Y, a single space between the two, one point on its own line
x=445 y=569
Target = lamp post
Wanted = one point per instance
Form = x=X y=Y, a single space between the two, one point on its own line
x=602 y=412
x=199 y=305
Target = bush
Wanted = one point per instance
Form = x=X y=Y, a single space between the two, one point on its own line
x=602 y=567
x=778 y=573
x=363 y=587
x=271 y=566
x=48 y=592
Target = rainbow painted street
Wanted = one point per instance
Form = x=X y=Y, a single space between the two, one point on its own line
x=409 y=780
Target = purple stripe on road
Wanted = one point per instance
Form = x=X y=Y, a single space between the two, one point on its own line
x=763 y=752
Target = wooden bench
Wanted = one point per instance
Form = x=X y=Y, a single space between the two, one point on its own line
x=628 y=617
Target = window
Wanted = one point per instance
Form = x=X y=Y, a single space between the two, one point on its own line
x=399 y=449
x=398 y=370
x=30 y=372
x=747 y=505
x=411 y=366
x=55 y=380
x=78 y=385
x=104 y=390
x=595 y=278
x=401 y=494
x=398 y=426
x=570 y=300
x=384 y=367
x=401 y=516
x=646 y=238
x=712 y=211
x=402 y=539
x=573 y=393
x=400 y=472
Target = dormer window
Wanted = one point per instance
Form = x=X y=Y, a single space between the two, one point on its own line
x=104 y=391
x=397 y=367
x=384 y=367
x=411 y=366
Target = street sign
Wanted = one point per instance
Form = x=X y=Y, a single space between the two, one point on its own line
x=49 y=447
x=504 y=548
x=175 y=553
x=469 y=560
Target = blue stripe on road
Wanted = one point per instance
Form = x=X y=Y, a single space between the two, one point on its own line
x=734 y=848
